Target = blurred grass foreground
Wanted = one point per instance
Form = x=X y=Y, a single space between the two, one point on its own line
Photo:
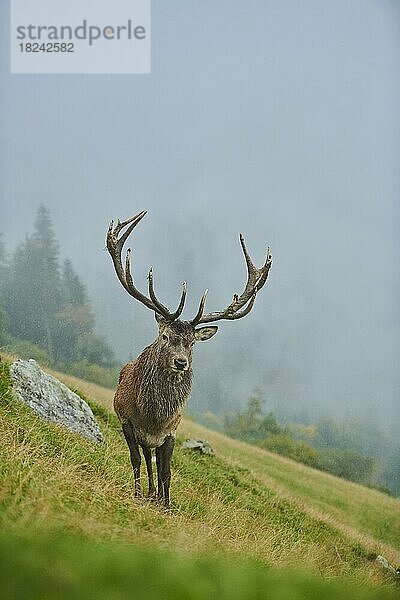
x=66 y=567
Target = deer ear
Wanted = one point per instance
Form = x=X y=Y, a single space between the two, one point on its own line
x=205 y=333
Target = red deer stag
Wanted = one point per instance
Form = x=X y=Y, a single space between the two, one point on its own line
x=154 y=388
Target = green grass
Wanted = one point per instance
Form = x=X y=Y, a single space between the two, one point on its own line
x=70 y=524
x=53 y=568
x=370 y=513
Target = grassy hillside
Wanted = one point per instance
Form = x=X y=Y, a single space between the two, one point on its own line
x=66 y=511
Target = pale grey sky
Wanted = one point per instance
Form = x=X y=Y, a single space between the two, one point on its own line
x=278 y=119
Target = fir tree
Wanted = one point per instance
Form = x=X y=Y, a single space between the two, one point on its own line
x=3 y=276
x=34 y=294
x=3 y=263
x=48 y=307
x=20 y=296
x=76 y=318
x=73 y=290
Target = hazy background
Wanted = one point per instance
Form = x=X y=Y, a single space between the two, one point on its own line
x=278 y=119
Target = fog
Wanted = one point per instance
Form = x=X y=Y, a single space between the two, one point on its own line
x=276 y=119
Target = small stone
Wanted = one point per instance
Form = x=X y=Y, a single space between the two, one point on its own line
x=53 y=400
x=386 y=565
x=198 y=446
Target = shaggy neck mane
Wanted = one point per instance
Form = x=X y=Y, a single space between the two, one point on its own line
x=162 y=391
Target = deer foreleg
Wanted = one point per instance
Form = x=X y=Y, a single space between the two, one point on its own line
x=135 y=455
x=163 y=455
x=147 y=457
x=159 y=457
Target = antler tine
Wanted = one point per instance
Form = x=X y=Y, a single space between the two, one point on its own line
x=250 y=265
x=163 y=310
x=266 y=267
x=199 y=313
x=181 y=304
x=256 y=278
x=114 y=246
x=115 y=249
x=121 y=224
x=177 y=313
x=132 y=290
x=245 y=311
x=126 y=234
x=253 y=275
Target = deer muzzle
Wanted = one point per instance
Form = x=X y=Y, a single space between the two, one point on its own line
x=181 y=363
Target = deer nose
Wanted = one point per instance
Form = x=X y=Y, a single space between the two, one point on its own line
x=180 y=363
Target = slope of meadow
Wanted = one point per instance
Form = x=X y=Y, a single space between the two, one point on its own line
x=66 y=510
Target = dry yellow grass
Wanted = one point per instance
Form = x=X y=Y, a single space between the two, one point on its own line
x=365 y=514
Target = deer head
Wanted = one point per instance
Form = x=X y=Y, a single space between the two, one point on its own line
x=176 y=337
x=175 y=343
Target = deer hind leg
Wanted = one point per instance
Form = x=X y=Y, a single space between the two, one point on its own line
x=147 y=457
x=163 y=456
x=135 y=455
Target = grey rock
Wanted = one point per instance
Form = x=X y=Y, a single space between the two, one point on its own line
x=199 y=446
x=53 y=400
x=386 y=565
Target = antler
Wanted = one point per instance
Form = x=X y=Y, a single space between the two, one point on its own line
x=114 y=246
x=256 y=278
x=238 y=308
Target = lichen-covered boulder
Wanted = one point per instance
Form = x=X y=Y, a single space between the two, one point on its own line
x=52 y=400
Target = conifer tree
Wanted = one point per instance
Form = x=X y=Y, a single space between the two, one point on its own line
x=3 y=263
x=49 y=306
x=20 y=293
x=73 y=290
x=45 y=248
x=75 y=318
x=3 y=274
x=34 y=294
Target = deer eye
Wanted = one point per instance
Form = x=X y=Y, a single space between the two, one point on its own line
x=165 y=337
